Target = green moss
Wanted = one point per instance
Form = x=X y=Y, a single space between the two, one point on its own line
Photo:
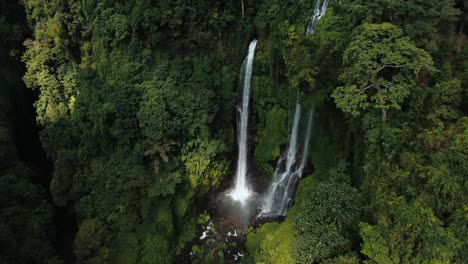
x=274 y=134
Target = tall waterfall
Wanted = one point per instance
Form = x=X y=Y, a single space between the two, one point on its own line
x=280 y=194
x=241 y=190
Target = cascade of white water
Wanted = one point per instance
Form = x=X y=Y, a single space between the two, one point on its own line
x=292 y=150
x=319 y=12
x=296 y=175
x=289 y=169
x=305 y=154
x=241 y=190
x=277 y=190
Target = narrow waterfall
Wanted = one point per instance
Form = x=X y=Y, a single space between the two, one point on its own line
x=288 y=172
x=319 y=12
x=305 y=154
x=272 y=203
x=293 y=179
x=241 y=190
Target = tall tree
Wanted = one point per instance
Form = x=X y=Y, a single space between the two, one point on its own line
x=381 y=69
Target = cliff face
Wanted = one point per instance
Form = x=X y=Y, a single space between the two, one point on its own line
x=26 y=216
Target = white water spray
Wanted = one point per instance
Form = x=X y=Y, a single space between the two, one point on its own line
x=241 y=191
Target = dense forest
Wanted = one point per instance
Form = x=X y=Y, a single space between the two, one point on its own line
x=118 y=130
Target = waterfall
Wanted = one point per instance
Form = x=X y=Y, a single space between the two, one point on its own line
x=241 y=189
x=272 y=203
x=293 y=179
x=307 y=138
x=289 y=169
x=319 y=12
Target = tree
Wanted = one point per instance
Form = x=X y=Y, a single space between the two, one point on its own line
x=420 y=19
x=89 y=242
x=381 y=69
x=203 y=164
x=408 y=233
x=446 y=97
x=330 y=209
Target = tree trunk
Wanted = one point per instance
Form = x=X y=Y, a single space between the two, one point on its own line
x=382 y=103
x=384 y=115
x=243 y=12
